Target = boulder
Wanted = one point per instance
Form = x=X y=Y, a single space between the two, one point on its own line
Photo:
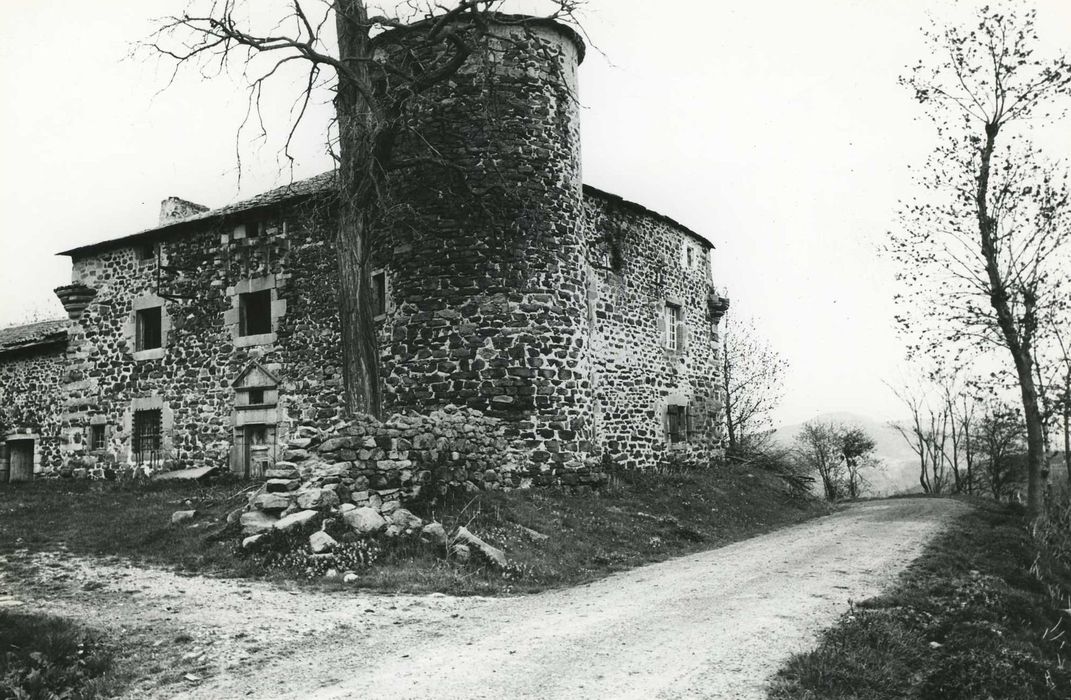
x=297 y=520
x=182 y=516
x=388 y=507
x=321 y=542
x=461 y=552
x=365 y=521
x=349 y=577
x=392 y=531
x=317 y=498
x=493 y=555
x=186 y=474
x=282 y=485
x=271 y=502
x=405 y=519
x=434 y=534
x=252 y=541
x=277 y=473
x=346 y=508
x=255 y=522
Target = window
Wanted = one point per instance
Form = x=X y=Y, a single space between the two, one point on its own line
x=379 y=293
x=145 y=251
x=149 y=334
x=689 y=257
x=677 y=424
x=673 y=327
x=252 y=229
x=146 y=447
x=256 y=396
x=96 y=437
x=254 y=309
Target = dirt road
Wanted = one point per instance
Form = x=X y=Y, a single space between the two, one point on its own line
x=711 y=625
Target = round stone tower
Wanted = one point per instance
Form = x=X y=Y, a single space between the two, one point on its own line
x=484 y=260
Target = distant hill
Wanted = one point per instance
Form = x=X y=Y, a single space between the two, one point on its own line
x=901 y=473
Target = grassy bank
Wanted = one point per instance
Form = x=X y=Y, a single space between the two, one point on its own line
x=967 y=620
x=42 y=658
x=551 y=538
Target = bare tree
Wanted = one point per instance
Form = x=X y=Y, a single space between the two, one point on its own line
x=752 y=376
x=818 y=451
x=981 y=249
x=928 y=435
x=372 y=95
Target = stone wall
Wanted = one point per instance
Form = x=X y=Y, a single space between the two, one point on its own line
x=30 y=401
x=640 y=262
x=382 y=464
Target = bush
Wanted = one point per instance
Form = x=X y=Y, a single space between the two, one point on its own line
x=45 y=658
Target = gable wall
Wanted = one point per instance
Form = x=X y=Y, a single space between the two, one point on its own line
x=638 y=264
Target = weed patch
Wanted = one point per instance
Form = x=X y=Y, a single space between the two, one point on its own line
x=966 y=620
x=42 y=658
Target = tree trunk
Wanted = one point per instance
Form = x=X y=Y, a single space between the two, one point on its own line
x=730 y=425
x=1018 y=346
x=356 y=128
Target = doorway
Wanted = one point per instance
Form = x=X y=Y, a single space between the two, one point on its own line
x=20 y=460
x=256 y=445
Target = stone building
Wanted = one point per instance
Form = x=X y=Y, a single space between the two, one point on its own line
x=585 y=324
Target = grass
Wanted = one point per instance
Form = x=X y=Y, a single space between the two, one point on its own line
x=639 y=518
x=966 y=620
x=43 y=657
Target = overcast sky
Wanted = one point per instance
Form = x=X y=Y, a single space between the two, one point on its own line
x=775 y=128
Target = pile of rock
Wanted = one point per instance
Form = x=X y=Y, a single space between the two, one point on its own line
x=366 y=522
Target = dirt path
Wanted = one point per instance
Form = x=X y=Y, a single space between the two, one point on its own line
x=716 y=624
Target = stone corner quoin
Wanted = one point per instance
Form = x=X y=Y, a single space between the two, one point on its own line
x=531 y=337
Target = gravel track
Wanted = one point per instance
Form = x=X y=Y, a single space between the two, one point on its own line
x=711 y=625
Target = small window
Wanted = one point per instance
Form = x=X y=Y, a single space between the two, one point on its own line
x=689 y=255
x=256 y=397
x=255 y=313
x=379 y=293
x=145 y=251
x=673 y=327
x=96 y=437
x=149 y=334
x=676 y=424
x=147 y=429
x=253 y=229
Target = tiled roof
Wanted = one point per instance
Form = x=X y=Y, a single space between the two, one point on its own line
x=32 y=334
x=315 y=185
x=591 y=191
x=301 y=188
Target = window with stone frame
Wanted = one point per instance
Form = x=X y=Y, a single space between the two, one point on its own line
x=97 y=438
x=379 y=293
x=677 y=424
x=674 y=339
x=254 y=313
x=148 y=432
x=149 y=331
x=145 y=251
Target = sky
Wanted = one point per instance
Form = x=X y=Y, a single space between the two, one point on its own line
x=775 y=128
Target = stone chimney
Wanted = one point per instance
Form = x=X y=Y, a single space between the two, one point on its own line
x=174 y=209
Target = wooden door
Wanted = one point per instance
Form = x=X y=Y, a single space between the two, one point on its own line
x=20 y=454
x=257 y=448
